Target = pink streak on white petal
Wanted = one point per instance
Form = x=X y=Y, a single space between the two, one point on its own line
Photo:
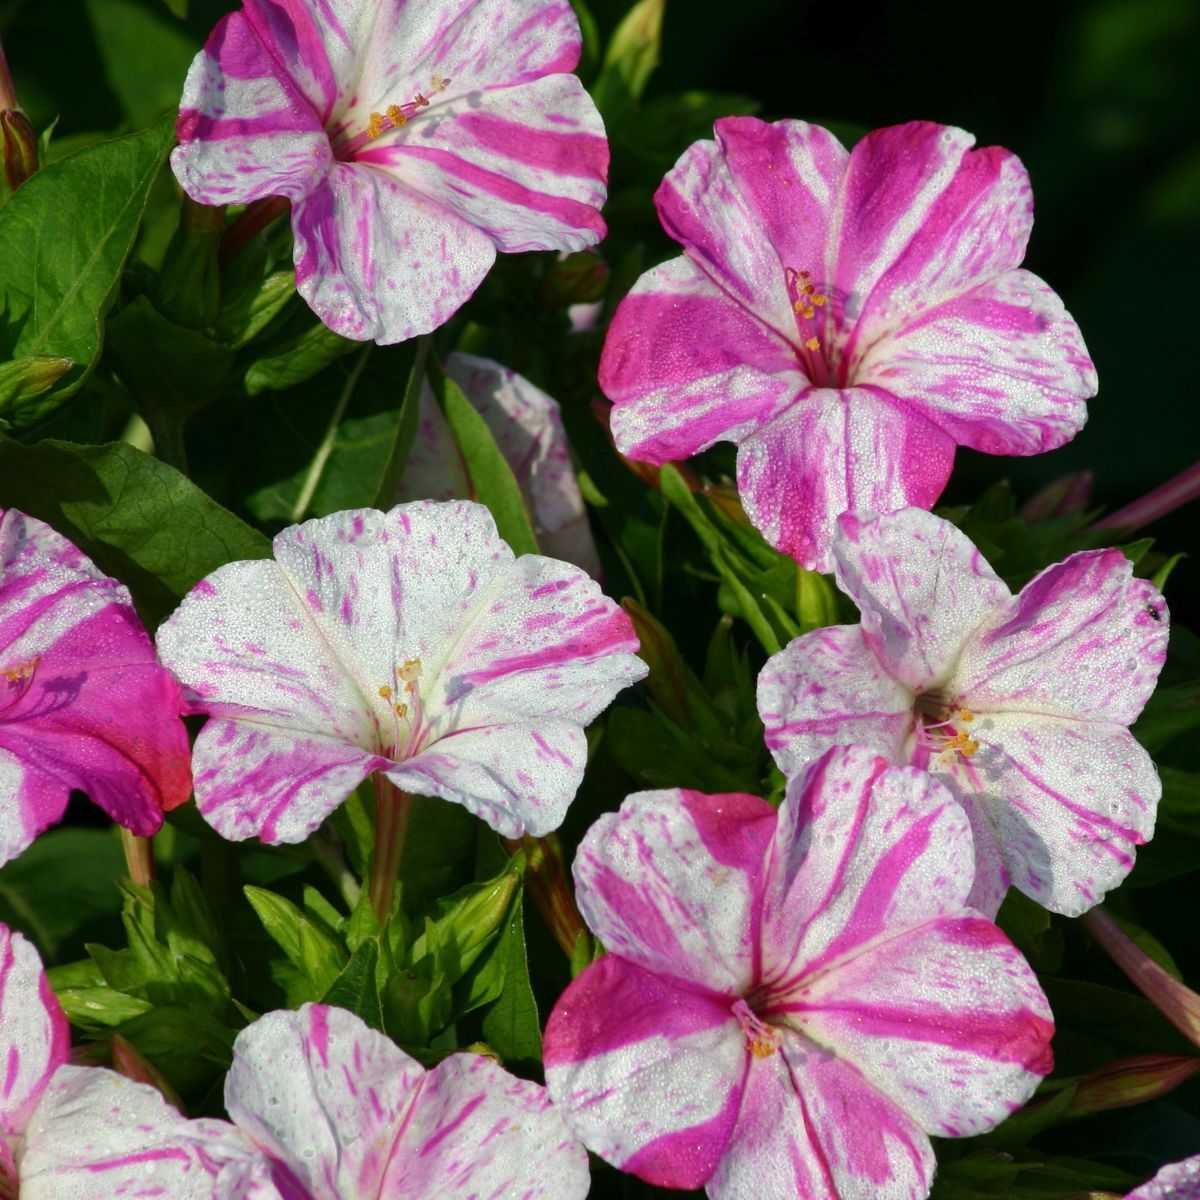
x=835 y=451
x=1176 y=1181
x=34 y=1037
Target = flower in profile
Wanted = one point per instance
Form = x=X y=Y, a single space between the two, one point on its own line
x=84 y=703
x=1176 y=1181
x=528 y=429
x=411 y=643
x=792 y=1002
x=846 y=319
x=413 y=140
x=1019 y=704
x=343 y=1114
x=85 y=1133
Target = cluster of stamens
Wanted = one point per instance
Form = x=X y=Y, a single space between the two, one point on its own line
x=947 y=738
x=805 y=299
x=407 y=683
x=761 y=1039
x=395 y=116
x=18 y=679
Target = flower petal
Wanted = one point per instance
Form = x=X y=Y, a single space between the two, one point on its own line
x=947 y=1019
x=672 y=883
x=1084 y=639
x=831 y=452
x=34 y=1037
x=1176 y=1181
x=323 y=1096
x=526 y=165
x=475 y=1130
x=811 y=1126
x=754 y=204
x=925 y=218
x=96 y=1135
x=827 y=688
x=686 y=366
x=1069 y=802
x=861 y=849
x=647 y=1074
x=1001 y=368
x=376 y=260
x=245 y=130
x=922 y=587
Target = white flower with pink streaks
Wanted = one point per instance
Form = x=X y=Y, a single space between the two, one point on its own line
x=1019 y=704
x=411 y=643
x=85 y=1133
x=84 y=702
x=792 y=1002
x=528 y=429
x=1176 y=1181
x=847 y=319
x=343 y=1114
x=414 y=139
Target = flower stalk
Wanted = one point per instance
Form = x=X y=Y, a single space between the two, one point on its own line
x=1166 y=498
x=139 y=857
x=393 y=810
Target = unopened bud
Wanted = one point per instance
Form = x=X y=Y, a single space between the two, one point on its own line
x=20 y=148
x=1131 y=1081
x=579 y=278
x=1061 y=497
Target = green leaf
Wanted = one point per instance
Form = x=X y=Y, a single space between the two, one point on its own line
x=64 y=238
x=633 y=52
x=249 y=309
x=296 y=359
x=512 y=1024
x=95 y=1009
x=492 y=479
x=406 y=428
x=139 y=519
x=356 y=989
x=307 y=942
x=1168 y=713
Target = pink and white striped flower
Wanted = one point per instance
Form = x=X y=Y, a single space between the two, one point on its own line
x=792 y=1002
x=343 y=1114
x=1019 y=704
x=846 y=319
x=84 y=1133
x=411 y=643
x=414 y=139
x=84 y=703
x=1176 y=1181
x=528 y=429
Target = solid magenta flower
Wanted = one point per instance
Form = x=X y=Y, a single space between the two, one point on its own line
x=413 y=139
x=846 y=319
x=792 y=1002
x=84 y=702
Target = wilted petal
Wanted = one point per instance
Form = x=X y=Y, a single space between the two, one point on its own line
x=245 y=130
x=861 y=849
x=686 y=366
x=1001 y=368
x=323 y=1096
x=1084 y=639
x=96 y=1135
x=832 y=452
x=649 y=1075
x=672 y=882
x=376 y=260
x=1069 y=802
x=525 y=165
x=812 y=1126
x=752 y=205
x=826 y=688
x=474 y=1130
x=922 y=588
x=34 y=1037
x=946 y=1018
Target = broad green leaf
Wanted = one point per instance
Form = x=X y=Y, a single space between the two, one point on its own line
x=139 y=519
x=296 y=359
x=1168 y=713
x=64 y=238
x=309 y=945
x=191 y=1048
x=512 y=1024
x=249 y=309
x=492 y=479
x=95 y=1009
x=355 y=989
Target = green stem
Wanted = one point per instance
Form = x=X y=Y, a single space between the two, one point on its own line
x=393 y=808
x=139 y=857
x=317 y=467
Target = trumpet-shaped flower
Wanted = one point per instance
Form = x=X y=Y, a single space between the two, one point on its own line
x=84 y=702
x=1019 y=704
x=528 y=429
x=343 y=1114
x=847 y=319
x=84 y=1133
x=411 y=643
x=1176 y=1181
x=792 y=1002
x=413 y=140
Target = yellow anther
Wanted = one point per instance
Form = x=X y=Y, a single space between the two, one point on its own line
x=818 y=299
x=812 y=344
x=808 y=313
x=761 y=1048
x=401 y=710
x=385 y=692
x=966 y=716
x=968 y=747
x=375 y=123
x=808 y=289
x=21 y=671
x=410 y=670
x=395 y=114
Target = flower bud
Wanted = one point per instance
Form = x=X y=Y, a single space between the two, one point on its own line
x=20 y=149
x=1131 y=1081
x=575 y=279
